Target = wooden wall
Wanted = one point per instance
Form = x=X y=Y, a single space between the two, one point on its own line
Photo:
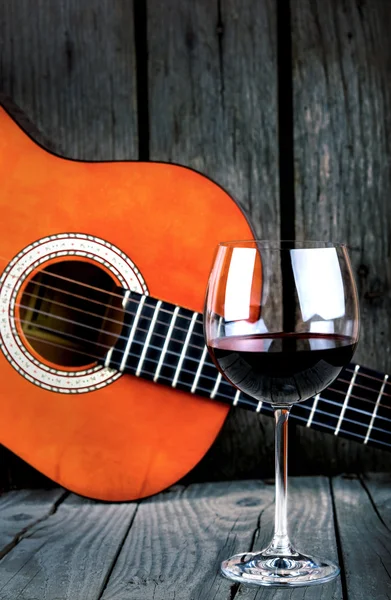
x=197 y=83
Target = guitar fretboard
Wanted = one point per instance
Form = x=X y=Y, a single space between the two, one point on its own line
x=164 y=343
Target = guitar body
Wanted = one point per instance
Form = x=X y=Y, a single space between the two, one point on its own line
x=125 y=438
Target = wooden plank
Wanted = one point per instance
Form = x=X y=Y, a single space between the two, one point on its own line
x=342 y=105
x=21 y=510
x=69 y=555
x=311 y=528
x=179 y=539
x=186 y=534
x=378 y=487
x=170 y=546
x=213 y=90
x=71 y=67
x=212 y=107
x=342 y=108
x=365 y=542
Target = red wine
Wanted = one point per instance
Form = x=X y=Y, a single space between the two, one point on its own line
x=282 y=368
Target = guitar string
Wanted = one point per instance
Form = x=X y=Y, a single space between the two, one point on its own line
x=118 y=336
x=120 y=297
x=176 y=354
x=367 y=376
x=157 y=334
x=135 y=301
x=177 y=327
x=267 y=407
x=130 y=299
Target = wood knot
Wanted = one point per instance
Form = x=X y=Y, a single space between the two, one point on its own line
x=20 y=517
x=247 y=502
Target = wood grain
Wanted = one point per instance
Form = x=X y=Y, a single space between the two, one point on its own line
x=170 y=547
x=365 y=541
x=71 y=67
x=179 y=539
x=21 y=510
x=213 y=94
x=342 y=102
x=377 y=486
x=69 y=555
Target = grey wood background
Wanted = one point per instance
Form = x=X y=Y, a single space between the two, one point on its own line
x=196 y=83
x=58 y=546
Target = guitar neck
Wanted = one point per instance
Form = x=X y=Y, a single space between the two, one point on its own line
x=164 y=343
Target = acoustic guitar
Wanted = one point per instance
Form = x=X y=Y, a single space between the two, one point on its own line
x=106 y=385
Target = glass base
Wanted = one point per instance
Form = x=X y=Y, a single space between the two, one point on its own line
x=264 y=568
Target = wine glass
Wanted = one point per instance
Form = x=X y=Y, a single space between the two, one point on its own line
x=281 y=320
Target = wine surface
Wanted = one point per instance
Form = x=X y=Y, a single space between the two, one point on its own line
x=282 y=368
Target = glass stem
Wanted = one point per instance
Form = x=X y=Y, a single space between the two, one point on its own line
x=280 y=543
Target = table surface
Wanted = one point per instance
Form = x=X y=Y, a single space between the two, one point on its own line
x=55 y=545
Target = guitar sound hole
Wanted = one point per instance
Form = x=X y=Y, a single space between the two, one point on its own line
x=71 y=313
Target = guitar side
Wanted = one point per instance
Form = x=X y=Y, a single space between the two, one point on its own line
x=131 y=438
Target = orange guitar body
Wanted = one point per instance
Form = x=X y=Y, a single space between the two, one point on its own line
x=131 y=438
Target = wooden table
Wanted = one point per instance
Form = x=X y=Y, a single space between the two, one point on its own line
x=57 y=546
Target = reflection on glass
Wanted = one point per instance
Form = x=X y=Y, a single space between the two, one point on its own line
x=239 y=282
x=319 y=283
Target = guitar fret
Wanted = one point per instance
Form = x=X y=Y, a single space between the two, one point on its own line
x=216 y=386
x=376 y=409
x=108 y=357
x=313 y=409
x=148 y=338
x=167 y=341
x=199 y=369
x=183 y=353
x=338 y=427
x=125 y=299
x=132 y=334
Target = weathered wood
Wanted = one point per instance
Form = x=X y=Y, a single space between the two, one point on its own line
x=213 y=94
x=311 y=528
x=21 y=510
x=342 y=102
x=365 y=540
x=170 y=547
x=378 y=486
x=71 y=67
x=68 y=555
x=213 y=91
x=342 y=107
x=179 y=539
